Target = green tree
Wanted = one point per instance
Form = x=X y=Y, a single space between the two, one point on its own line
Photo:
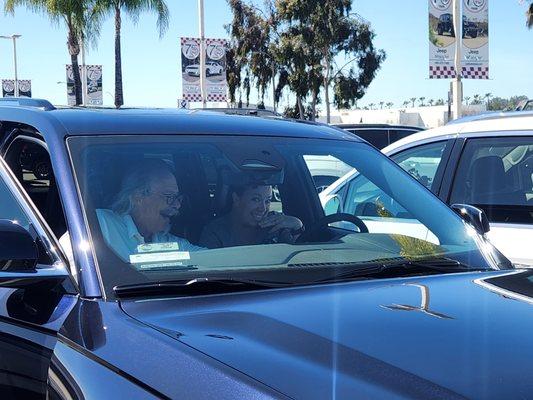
x=413 y=99
x=381 y=103
x=529 y=16
x=405 y=104
x=467 y=99
x=329 y=30
x=133 y=8
x=421 y=101
x=389 y=105
x=77 y=16
x=487 y=97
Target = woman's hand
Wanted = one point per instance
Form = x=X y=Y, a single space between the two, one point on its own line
x=276 y=221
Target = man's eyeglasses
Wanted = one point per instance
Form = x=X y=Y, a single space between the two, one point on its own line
x=172 y=198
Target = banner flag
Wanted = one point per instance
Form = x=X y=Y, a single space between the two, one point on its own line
x=442 y=39
x=8 y=88
x=94 y=85
x=475 y=52
x=215 y=70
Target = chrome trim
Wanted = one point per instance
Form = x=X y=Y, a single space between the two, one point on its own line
x=497 y=133
x=503 y=292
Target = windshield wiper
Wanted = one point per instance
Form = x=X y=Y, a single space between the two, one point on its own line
x=199 y=285
x=400 y=267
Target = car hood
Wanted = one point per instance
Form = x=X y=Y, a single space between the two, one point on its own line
x=445 y=336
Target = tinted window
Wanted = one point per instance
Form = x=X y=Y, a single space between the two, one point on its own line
x=397 y=134
x=496 y=175
x=422 y=162
x=9 y=207
x=377 y=137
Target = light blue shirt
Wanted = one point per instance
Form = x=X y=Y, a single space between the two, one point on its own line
x=121 y=234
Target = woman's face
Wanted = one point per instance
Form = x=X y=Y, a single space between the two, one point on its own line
x=252 y=205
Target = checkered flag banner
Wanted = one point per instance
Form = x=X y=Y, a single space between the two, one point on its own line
x=193 y=97
x=437 y=72
x=475 y=72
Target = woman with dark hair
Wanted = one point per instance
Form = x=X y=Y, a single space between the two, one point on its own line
x=250 y=221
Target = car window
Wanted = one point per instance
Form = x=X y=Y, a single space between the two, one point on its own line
x=325 y=169
x=163 y=207
x=422 y=162
x=496 y=174
x=397 y=134
x=9 y=207
x=376 y=137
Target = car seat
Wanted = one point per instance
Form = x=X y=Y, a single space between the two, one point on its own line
x=488 y=184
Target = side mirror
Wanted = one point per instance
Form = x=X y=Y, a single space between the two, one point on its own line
x=18 y=250
x=474 y=216
x=333 y=205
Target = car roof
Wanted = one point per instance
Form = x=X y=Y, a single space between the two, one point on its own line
x=376 y=126
x=483 y=126
x=97 y=121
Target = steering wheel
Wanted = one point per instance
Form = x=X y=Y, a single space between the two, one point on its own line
x=329 y=219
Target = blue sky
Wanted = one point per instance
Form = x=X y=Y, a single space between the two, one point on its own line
x=150 y=65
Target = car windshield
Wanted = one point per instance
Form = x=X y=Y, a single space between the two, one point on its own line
x=178 y=207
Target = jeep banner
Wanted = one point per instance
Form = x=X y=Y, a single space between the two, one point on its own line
x=8 y=88
x=94 y=85
x=475 y=52
x=215 y=70
x=442 y=39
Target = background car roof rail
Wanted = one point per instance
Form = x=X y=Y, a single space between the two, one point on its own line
x=27 y=102
x=492 y=115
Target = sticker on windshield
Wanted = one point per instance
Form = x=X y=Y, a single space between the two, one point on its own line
x=157 y=247
x=160 y=257
x=169 y=266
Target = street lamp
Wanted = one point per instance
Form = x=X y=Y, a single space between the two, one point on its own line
x=14 y=38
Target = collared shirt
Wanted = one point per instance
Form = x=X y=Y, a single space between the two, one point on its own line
x=121 y=234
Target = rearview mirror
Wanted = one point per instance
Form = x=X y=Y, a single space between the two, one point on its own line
x=18 y=250
x=474 y=216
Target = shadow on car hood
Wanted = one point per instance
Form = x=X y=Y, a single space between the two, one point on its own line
x=448 y=336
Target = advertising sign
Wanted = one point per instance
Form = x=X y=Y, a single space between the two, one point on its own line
x=94 y=85
x=475 y=52
x=215 y=69
x=8 y=88
x=442 y=40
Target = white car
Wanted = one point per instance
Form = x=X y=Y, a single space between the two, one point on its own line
x=211 y=68
x=484 y=161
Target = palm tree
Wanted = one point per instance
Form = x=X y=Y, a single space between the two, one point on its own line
x=467 y=99
x=81 y=27
x=405 y=103
x=431 y=102
x=488 y=97
x=371 y=105
x=413 y=99
x=133 y=8
x=529 y=16
x=381 y=103
x=421 y=100
x=389 y=105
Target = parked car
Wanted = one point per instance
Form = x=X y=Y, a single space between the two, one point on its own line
x=525 y=105
x=470 y=28
x=445 y=25
x=211 y=68
x=426 y=311
x=380 y=135
x=484 y=160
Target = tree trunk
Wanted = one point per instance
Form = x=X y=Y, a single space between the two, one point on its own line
x=326 y=91
x=119 y=96
x=74 y=50
x=313 y=105
x=300 y=107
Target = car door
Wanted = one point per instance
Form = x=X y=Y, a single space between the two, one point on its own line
x=496 y=175
x=36 y=294
x=360 y=197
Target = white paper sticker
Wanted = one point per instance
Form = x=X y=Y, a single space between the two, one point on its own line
x=159 y=257
x=157 y=247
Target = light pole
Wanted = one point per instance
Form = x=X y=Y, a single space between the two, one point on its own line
x=14 y=38
x=202 y=52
